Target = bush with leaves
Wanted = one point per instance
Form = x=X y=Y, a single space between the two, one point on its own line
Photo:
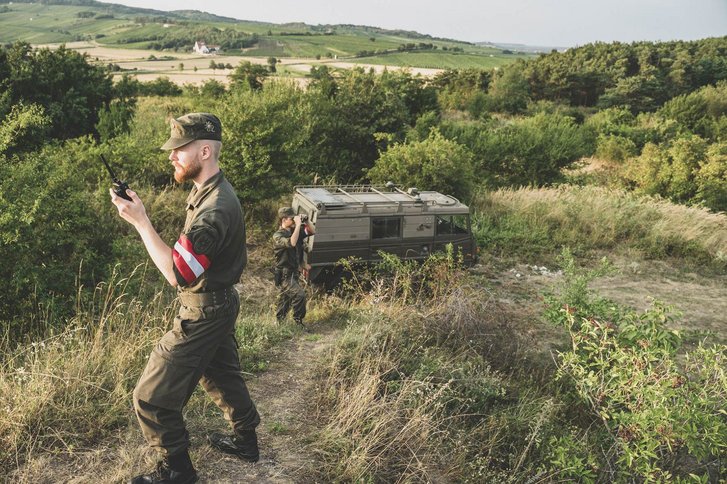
x=712 y=178
x=699 y=111
x=509 y=89
x=51 y=235
x=160 y=86
x=615 y=148
x=688 y=170
x=262 y=141
x=662 y=419
x=23 y=129
x=457 y=88
x=435 y=163
x=248 y=76
x=70 y=90
x=345 y=120
x=530 y=151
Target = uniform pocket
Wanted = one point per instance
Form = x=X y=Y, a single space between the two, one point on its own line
x=168 y=379
x=186 y=316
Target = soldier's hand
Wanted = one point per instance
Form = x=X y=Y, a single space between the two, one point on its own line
x=296 y=219
x=132 y=211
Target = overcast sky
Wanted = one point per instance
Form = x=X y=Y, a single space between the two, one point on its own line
x=559 y=23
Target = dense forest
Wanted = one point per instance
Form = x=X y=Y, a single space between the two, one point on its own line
x=644 y=119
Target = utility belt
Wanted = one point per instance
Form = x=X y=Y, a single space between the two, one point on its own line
x=212 y=298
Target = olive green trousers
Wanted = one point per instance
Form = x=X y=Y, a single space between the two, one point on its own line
x=201 y=347
x=291 y=295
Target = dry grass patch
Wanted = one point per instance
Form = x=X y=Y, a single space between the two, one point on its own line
x=537 y=221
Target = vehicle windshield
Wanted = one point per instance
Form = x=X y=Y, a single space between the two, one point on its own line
x=452 y=224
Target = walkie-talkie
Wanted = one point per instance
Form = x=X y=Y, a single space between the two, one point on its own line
x=120 y=187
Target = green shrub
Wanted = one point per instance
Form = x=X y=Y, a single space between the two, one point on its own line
x=51 y=235
x=212 y=89
x=435 y=163
x=712 y=178
x=615 y=148
x=23 y=129
x=160 y=86
x=509 y=90
x=263 y=141
x=687 y=170
x=699 y=111
x=70 y=89
x=115 y=119
x=529 y=151
x=657 y=413
x=612 y=121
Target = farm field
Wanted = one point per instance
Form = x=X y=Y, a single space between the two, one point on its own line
x=38 y=24
x=137 y=62
x=135 y=34
x=436 y=61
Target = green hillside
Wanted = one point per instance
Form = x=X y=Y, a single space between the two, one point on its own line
x=438 y=60
x=111 y=25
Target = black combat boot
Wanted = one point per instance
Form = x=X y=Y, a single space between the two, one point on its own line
x=242 y=445
x=176 y=469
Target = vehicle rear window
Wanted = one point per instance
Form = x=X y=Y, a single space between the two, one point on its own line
x=385 y=227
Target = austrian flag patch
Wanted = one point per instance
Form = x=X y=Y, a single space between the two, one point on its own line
x=189 y=264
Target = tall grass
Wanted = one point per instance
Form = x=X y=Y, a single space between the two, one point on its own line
x=534 y=222
x=73 y=387
x=411 y=394
x=429 y=384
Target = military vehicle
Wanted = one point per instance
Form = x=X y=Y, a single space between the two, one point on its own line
x=360 y=220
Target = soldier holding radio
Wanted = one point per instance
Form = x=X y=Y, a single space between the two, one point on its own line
x=204 y=264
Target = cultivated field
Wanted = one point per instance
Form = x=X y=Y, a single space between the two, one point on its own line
x=180 y=67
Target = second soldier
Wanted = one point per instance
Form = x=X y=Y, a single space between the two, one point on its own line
x=288 y=246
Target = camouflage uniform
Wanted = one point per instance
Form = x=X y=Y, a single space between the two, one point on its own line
x=288 y=259
x=201 y=347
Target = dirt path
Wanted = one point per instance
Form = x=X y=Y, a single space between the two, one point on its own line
x=282 y=394
x=283 y=397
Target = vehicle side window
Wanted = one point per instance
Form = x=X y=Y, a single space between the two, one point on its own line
x=385 y=227
x=451 y=224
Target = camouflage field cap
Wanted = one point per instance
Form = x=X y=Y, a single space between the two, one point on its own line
x=286 y=212
x=193 y=126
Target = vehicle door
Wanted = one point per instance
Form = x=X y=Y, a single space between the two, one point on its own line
x=455 y=230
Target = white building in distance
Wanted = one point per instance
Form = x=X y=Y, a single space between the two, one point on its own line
x=200 y=47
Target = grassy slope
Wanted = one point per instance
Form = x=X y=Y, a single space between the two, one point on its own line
x=55 y=24
x=395 y=380
x=48 y=21
x=437 y=60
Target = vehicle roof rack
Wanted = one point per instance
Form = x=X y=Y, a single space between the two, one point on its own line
x=339 y=197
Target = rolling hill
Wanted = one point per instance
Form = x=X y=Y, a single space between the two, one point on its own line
x=113 y=25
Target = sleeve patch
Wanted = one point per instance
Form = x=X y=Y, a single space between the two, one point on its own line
x=188 y=262
x=203 y=243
